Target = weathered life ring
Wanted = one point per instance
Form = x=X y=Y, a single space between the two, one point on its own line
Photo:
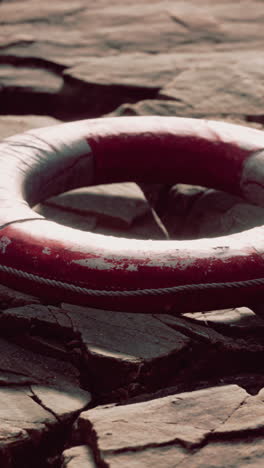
x=61 y=263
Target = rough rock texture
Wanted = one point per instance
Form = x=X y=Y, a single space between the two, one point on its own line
x=178 y=429
x=114 y=352
x=184 y=390
x=11 y=124
x=115 y=209
x=39 y=398
x=118 y=204
x=192 y=212
x=78 y=457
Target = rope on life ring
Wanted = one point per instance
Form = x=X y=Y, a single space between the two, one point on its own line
x=65 y=264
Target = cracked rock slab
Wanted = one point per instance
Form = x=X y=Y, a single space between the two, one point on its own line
x=179 y=108
x=238 y=321
x=39 y=396
x=116 y=210
x=118 y=204
x=27 y=426
x=242 y=453
x=115 y=350
x=175 y=425
x=216 y=213
x=191 y=212
x=137 y=70
x=11 y=298
x=248 y=418
x=122 y=349
x=11 y=124
x=224 y=83
x=29 y=79
x=167 y=456
x=78 y=457
x=67 y=217
x=66 y=33
x=28 y=90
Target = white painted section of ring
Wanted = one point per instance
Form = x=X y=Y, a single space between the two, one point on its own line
x=4 y=242
x=70 y=138
x=159 y=252
x=246 y=138
x=132 y=267
x=105 y=264
x=42 y=154
x=181 y=261
x=46 y=251
x=97 y=264
x=252 y=180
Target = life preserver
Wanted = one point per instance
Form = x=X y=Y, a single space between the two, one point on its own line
x=61 y=263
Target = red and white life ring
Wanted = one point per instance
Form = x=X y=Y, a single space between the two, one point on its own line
x=61 y=263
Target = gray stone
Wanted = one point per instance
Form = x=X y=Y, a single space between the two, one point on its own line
x=12 y=124
x=67 y=217
x=241 y=453
x=121 y=349
x=66 y=33
x=31 y=79
x=116 y=209
x=117 y=350
x=11 y=298
x=131 y=69
x=167 y=456
x=232 y=85
x=29 y=90
x=182 y=420
x=78 y=457
x=37 y=394
x=237 y=319
x=215 y=214
x=118 y=204
x=164 y=106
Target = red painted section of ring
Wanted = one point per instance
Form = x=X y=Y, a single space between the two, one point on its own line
x=164 y=152
x=26 y=252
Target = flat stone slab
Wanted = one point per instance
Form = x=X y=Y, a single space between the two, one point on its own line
x=113 y=351
x=11 y=298
x=230 y=86
x=244 y=452
x=168 y=428
x=164 y=106
x=216 y=213
x=66 y=33
x=119 y=210
x=67 y=217
x=38 y=395
x=35 y=89
x=78 y=457
x=239 y=321
x=131 y=69
x=118 y=53
x=12 y=124
x=118 y=204
x=30 y=79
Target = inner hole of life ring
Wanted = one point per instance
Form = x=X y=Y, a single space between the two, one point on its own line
x=154 y=211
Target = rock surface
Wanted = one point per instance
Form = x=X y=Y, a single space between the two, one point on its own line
x=12 y=124
x=178 y=429
x=78 y=457
x=39 y=397
x=118 y=204
x=185 y=390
